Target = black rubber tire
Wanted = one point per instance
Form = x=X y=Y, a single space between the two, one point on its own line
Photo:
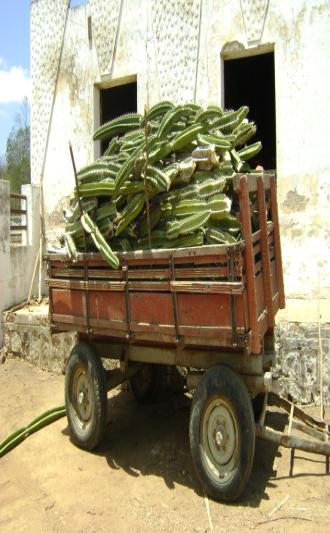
x=146 y=384
x=222 y=396
x=85 y=364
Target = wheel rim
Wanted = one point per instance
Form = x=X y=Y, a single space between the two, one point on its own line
x=220 y=441
x=82 y=396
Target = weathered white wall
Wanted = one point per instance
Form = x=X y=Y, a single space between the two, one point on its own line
x=176 y=50
x=17 y=262
x=5 y=269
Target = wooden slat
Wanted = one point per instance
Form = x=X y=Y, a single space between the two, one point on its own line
x=18 y=196
x=251 y=180
x=251 y=288
x=158 y=274
x=277 y=243
x=14 y=227
x=18 y=211
x=210 y=287
x=265 y=257
x=169 y=329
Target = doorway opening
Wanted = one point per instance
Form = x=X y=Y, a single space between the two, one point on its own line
x=251 y=81
x=116 y=101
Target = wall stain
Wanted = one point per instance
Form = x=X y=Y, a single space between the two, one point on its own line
x=294 y=202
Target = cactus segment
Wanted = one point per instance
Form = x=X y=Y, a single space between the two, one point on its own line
x=108 y=209
x=188 y=207
x=118 y=125
x=243 y=133
x=126 y=168
x=161 y=178
x=155 y=214
x=129 y=213
x=186 y=136
x=70 y=247
x=99 y=241
x=220 y=143
x=211 y=112
x=187 y=224
x=73 y=213
x=250 y=151
x=159 y=110
x=99 y=188
x=112 y=147
x=216 y=236
x=182 y=160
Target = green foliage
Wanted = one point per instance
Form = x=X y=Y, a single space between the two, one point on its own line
x=18 y=157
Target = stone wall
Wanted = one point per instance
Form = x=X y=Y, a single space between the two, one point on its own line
x=298 y=360
x=28 y=336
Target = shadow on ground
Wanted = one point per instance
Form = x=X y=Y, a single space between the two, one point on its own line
x=153 y=440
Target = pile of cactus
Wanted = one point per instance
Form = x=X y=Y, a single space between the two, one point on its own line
x=165 y=181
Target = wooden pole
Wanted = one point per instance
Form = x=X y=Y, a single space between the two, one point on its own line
x=145 y=174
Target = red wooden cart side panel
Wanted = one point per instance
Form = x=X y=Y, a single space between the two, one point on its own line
x=152 y=308
x=107 y=305
x=209 y=310
x=102 y=305
x=260 y=298
x=68 y=302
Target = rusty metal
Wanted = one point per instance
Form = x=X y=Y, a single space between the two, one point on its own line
x=231 y=278
x=317 y=430
x=175 y=300
x=127 y=302
x=20 y=212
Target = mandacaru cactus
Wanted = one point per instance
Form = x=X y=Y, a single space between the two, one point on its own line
x=165 y=179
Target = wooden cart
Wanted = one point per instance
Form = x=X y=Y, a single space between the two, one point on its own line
x=209 y=310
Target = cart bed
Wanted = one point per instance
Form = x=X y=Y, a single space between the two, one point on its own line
x=224 y=296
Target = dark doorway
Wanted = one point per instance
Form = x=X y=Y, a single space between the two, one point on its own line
x=251 y=81
x=117 y=101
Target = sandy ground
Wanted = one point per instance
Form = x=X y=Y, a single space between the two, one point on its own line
x=142 y=478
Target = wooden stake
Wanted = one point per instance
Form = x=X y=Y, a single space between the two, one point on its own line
x=145 y=175
x=33 y=275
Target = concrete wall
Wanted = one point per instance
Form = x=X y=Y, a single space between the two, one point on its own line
x=17 y=262
x=176 y=51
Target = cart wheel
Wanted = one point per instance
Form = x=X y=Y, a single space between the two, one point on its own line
x=222 y=434
x=146 y=383
x=85 y=396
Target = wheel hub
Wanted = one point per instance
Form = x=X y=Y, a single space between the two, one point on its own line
x=84 y=397
x=220 y=436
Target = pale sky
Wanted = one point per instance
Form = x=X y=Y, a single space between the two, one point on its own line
x=14 y=63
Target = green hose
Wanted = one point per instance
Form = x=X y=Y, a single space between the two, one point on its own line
x=19 y=435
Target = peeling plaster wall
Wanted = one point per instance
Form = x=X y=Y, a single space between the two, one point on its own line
x=17 y=262
x=176 y=50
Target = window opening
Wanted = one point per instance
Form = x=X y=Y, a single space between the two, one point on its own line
x=251 y=81
x=117 y=101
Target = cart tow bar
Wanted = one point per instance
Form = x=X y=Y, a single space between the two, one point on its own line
x=318 y=431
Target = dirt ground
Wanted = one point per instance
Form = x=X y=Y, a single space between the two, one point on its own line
x=142 y=478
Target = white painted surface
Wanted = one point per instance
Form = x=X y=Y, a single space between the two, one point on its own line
x=17 y=262
x=149 y=38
